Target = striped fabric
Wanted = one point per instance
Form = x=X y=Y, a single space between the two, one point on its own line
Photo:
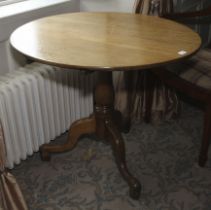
x=197 y=70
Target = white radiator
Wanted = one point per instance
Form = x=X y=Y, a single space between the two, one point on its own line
x=38 y=103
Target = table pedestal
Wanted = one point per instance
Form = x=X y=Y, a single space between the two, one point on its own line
x=101 y=123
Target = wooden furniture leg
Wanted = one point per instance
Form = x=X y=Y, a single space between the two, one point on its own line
x=107 y=129
x=77 y=129
x=150 y=81
x=118 y=147
x=102 y=123
x=206 y=136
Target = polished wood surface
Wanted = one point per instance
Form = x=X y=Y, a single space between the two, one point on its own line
x=104 y=41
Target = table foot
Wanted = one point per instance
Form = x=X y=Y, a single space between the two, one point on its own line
x=77 y=129
x=44 y=154
x=118 y=147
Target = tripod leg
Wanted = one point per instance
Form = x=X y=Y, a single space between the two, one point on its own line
x=77 y=129
x=118 y=147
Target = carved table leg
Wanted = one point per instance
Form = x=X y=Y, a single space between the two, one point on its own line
x=77 y=129
x=118 y=146
x=203 y=156
x=106 y=128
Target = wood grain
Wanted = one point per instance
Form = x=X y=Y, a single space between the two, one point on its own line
x=104 y=41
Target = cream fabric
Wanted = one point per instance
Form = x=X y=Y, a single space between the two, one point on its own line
x=11 y=197
x=144 y=6
x=165 y=6
x=130 y=87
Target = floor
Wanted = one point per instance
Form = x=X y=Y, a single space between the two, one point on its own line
x=163 y=157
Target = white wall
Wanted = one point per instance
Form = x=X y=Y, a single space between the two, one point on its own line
x=12 y=18
x=107 y=5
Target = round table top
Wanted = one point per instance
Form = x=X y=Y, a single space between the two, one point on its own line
x=105 y=41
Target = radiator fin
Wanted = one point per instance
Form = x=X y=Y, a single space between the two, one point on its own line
x=38 y=103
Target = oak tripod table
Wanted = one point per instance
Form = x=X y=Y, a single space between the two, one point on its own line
x=104 y=42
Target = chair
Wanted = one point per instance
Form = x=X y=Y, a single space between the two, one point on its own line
x=193 y=79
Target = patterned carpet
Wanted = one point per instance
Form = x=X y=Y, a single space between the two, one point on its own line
x=163 y=157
